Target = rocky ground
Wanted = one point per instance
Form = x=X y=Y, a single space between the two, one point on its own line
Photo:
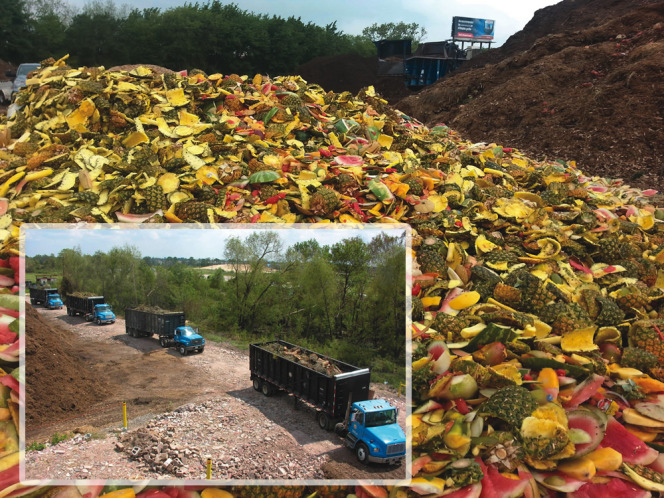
x=181 y=410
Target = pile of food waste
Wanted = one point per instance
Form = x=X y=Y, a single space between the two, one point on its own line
x=305 y=358
x=537 y=291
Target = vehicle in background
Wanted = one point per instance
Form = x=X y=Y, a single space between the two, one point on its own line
x=21 y=76
x=48 y=297
x=170 y=326
x=92 y=308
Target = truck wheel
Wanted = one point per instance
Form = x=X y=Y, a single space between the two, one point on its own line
x=98 y=321
x=362 y=453
x=183 y=351
x=340 y=430
x=323 y=421
x=201 y=350
x=257 y=384
x=267 y=389
x=162 y=342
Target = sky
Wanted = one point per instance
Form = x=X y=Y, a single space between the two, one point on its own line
x=352 y=16
x=182 y=242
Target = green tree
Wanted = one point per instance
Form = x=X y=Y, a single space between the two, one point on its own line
x=395 y=31
x=15 y=38
x=349 y=259
x=253 y=278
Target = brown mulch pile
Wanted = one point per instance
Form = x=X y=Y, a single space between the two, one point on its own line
x=6 y=66
x=351 y=73
x=57 y=384
x=594 y=95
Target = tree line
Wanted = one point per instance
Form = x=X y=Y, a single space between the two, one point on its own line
x=346 y=295
x=212 y=36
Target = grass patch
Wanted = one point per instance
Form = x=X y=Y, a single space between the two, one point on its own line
x=35 y=447
x=58 y=438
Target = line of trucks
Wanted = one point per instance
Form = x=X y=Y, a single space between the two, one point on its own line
x=341 y=396
x=169 y=326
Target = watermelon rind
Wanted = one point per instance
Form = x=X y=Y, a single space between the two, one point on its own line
x=615 y=487
x=633 y=450
x=591 y=421
x=558 y=481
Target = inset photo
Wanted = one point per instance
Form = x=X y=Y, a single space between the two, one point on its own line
x=248 y=355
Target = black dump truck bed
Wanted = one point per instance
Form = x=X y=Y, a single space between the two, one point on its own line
x=162 y=323
x=78 y=304
x=37 y=293
x=326 y=384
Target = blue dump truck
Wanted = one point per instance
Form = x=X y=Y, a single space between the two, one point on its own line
x=338 y=391
x=92 y=308
x=170 y=326
x=48 y=297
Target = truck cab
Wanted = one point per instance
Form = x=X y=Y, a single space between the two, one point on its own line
x=187 y=339
x=53 y=301
x=102 y=313
x=373 y=432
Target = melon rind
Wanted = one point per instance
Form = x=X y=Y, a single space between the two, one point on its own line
x=615 y=487
x=591 y=421
x=633 y=450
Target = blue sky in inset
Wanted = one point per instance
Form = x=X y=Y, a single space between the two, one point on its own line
x=180 y=242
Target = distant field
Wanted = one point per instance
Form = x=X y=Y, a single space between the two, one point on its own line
x=32 y=277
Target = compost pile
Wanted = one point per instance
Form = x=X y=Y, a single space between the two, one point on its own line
x=57 y=384
x=538 y=291
x=581 y=82
x=152 y=309
x=307 y=359
x=82 y=294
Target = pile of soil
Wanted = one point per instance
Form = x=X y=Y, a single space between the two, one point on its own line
x=6 y=66
x=351 y=73
x=57 y=383
x=594 y=95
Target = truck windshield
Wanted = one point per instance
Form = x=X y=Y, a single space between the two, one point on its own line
x=103 y=309
x=386 y=417
x=187 y=331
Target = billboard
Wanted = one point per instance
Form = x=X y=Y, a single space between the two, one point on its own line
x=469 y=28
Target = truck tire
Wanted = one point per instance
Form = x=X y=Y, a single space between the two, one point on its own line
x=267 y=389
x=183 y=351
x=324 y=421
x=362 y=453
x=340 y=429
x=162 y=342
x=98 y=321
x=257 y=384
x=201 y=350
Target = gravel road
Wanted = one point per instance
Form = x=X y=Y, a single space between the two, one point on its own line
x=184 y=410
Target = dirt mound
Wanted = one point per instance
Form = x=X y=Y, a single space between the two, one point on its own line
x=595 y=96
x=57 y=384
x=340 y=73
x=5 y=66
x=564 y=17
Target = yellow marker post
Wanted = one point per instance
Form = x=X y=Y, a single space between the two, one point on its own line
x=209 y=468
x=124 y=415
x=401 y=384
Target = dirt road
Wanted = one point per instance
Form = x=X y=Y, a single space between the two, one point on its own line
x=182 y=411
